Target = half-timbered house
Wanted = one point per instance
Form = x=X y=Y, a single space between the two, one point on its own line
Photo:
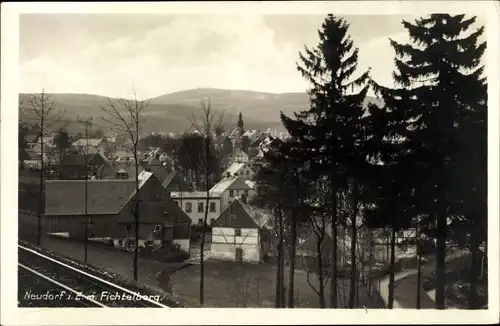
x=240 y=234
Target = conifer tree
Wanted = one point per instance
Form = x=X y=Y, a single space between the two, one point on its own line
x=439 y=113
x=329 y=132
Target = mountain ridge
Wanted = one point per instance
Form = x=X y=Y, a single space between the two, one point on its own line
x=172 y=111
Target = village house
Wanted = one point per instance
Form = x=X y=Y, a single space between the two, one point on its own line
x=31 y=140
x=175 y=182
x=123 y=156
x=252 y=136
x=229 y=188
x=77 y=166
x=240 y=234
x=92 y=145
x=29 y=159
x=381 y=243
x=35 y=145
x=239 y=156
x=110 y=206
x=307 y=253
x=155 y=166
x=223 y=145
x=241 y=170
x=194 y=205
x=267 y=144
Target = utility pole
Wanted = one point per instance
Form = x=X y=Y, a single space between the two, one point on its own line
x=88 y=125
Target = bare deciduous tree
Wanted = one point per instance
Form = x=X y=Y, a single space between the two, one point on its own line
x=206 y=124
x=126 y=117
x=44 y=111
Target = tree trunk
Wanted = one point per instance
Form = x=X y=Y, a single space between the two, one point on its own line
x=85 y=241
x=279 y=286
x=136 y=215
x=370 y=262
x=291 y=259
x=333 y=277
x=42 y=177
x=352 y=288
x=392 y=268
x=475 y=270
x=202 y=245
x=419 y=267
x=282 y=263
x=321 y=281
x=441 y=262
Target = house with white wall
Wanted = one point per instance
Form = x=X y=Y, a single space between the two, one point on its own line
x=242 y=170
x=194 y=204
x=240 y=234
x=91 y=145
x=230 y=188
x=239 y=156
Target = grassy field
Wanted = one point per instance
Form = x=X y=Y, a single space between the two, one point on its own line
x=230 y=284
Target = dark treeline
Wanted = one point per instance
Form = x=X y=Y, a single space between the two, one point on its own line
x=418 y=158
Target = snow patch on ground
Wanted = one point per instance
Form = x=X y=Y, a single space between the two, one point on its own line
x=60 y=234
x=194 y=255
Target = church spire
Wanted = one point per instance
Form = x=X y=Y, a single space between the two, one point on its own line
x=240 y=121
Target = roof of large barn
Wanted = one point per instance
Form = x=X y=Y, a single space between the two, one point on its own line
x=67 y=197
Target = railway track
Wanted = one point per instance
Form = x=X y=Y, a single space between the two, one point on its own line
x=67 y=283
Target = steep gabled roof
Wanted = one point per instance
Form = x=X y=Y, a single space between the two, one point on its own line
x=31 y=138
x=221 y=140
x=238 y=215
x=175 y=182
x=67 y=197
x=109 y=171
x=234 y=168
x=92 y=142
x=230 y=183
x=157 y=168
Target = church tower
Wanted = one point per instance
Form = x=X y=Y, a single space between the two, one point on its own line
x=240 y=122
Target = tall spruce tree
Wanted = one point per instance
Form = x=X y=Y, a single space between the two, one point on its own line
x=439 y=111
x=330 y=130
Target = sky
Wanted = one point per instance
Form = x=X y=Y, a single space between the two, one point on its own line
x=111 y=54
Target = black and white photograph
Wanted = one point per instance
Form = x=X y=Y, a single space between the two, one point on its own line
x=324 y=159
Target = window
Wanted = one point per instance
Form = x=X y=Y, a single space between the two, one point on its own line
x=212 y=220
x=233 y=217
x=129 y=227
x=231 y=193
x=200 y=207
x=177 y=202
x=400 y=234
x=237 y=232
x=200 y=221
x=247 y=172
x=189 y=207
x=212 y=207
x=157 y=228
x=245 y=192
